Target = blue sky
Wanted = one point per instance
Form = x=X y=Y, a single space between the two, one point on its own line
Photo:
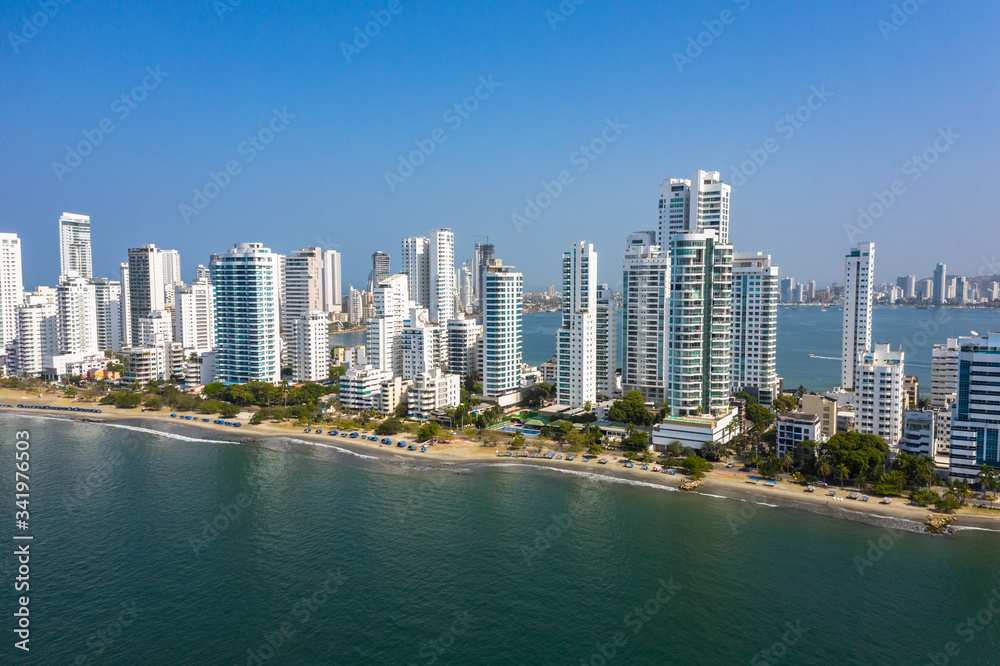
x=321 y=180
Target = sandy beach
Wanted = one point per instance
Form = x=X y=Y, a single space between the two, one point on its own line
x=728 y=482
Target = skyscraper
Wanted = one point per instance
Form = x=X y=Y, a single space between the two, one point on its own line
x=332 y=286
x=125 y=306
x=37 y=337
x=481 y=257
x=462 y=337
x=908 y=283
x=424 y=344
x=194 y=316
x=416 y=265
x=881 y=399
x=78 y=327
x=859 y=287
x=576 y=339
x=74 y=245
x=11 y=286
x=171 y=269
x=940 y=284
x=754 y=346
x=698 y=204
x=698 y=350
x=975 y=427
x=303 y=291
x=145 y=285
x=787 y=290
x=383 y=342
x=380 y=269
x=607 y=342
x=442 y=283
x=501 y=362
x=646 y=299
x=311 y=360
x=248 y=338
x=108 y=294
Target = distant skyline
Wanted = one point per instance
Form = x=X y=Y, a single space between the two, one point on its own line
x=285 y=125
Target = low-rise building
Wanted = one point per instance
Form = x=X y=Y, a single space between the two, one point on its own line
x=361 y=387
x=793 y=428
x=826 y=409
x=919 y=436
x=393 y=392
x=693 y=431
x=433 y=390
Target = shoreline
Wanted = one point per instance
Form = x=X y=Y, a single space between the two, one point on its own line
x=733 y=485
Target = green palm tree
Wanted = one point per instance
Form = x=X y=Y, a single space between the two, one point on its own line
x=786 y=461
x=988 y=479
x=823 y=467
x=842 y=473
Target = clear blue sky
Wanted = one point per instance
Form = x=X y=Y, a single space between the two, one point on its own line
x=322 y=178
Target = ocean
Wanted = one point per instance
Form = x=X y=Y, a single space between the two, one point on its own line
x=175 y=547
x=801 y=332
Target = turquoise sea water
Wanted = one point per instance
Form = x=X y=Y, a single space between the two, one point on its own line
x=322 y=556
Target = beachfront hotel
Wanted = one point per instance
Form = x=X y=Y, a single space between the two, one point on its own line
x=645 y=298
x=576 y=338
x=311 y=360
x=975 y=425
x=248 y=339
x=859 y=286
x=74 y=246
x=503 y=288
x=754 y=329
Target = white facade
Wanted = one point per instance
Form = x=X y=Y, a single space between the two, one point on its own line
x=125 y=307
x=793 y=428
x=693 y=431
x=501 y=358
x=698 y=204
x=442 y=283
x=754 y=347
x=462 y=337
x=171 y=273
x=303 y=292
x=424 y=344
x=859 y=283
x=881 y=398
x=607 y=342
x=194 y=315
x=332 y=286
x=944 y=374
x=11 y=287
x=156 y=329
x=645 y=301
x=74 y=246
x=481 y=256
x=975 y=425
x=145 y=285
x=37 y=337
x=383 y=341
x=361 y=386
x=416 y=265
x=247 y=333
x=311 y=362
x=433 y=390
x=919 y=433
x=78 y=328
x=576 y=339
x=108 y=294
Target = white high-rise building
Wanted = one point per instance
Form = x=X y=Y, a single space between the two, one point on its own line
x=880 y=395
x=37 y=337
x=380 y=269
x=171 y=272
x=78 y=328
x=481 y=256
x=698 y=350
x=156 y=329
x=462 y=337
x=332 y=286
x=576 y=339
x=501 y=359
x=433 y=390
x=944 y=374
x=645 y=301
x=203 y=273
x=975 y=426
x=919 y=433
x=383 y=342
x=311 y=362
x=247 y=332
x=940 y=294
x=11 y=286
x=416 y=265
x=108 y=294
x=698 y=204
x=754 y=347
x=74 y=246
x=303 y=291
x=194 y=316
x=607 y=342
x=908 y=283
x=145 y=285
x=859 y=288
x=467 y=287
x=424 y=344
x=442 y=283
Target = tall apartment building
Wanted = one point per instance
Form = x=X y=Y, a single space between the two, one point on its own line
x=975 y=426
x=125 y=309
x=881 y=399
x=332 y=286
x=919 y=437
x=576 y=338
x=171 y=273
x=503 y=289
x=466 y=287
x=416 y=265
x=859 y=288
x=607 y=342
x=462 y=335
x=481 y=256
x=311 y=362
x=940 y=294
x=194 y=316
x=645 y=301
x=424 y=344
x=380 y=269
x=74 y=246
x=303 y=292
x=754 y=347
x=37 y=337
x=108 y=294
x=247 y=332
x=699 y=332
x=908 y=283
x=787 y=290
x=78 y=327
x=203 y=273
x=11 y=287
x=145 y=285
x=383 y=342
x=698 y=204
x=442 y=282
